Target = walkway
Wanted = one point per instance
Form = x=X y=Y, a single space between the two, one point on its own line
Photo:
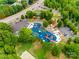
x=26 y=55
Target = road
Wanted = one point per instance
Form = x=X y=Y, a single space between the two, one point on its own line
x=23 y=12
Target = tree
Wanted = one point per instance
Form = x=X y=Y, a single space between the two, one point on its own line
x=13 y=56
x=7 y=42
x=71 y=50
x=22 y=17
x=3 y=1
x=50 y=21
x=7 y=10
x=24 y=3
x=16 y=57
x=45 y=23
x=8 y=38
x=3 y=56
x=52 y=4
x=73 y=20
x=70 y=24
x=7 y=1
x=4 y=10
x=46 y=14
x=59 y=23
x=9 y=49
x=11 y=1
x=31 y=1
x=4 y=26
x=76 y=40
x=47 y=46
x=56 y=50
x=2 y=50
x=69 y=41
x=30 y=14
x=1 y=43
x=65 y=14
x=25 y=35
x=10 y=56
x=17 y=7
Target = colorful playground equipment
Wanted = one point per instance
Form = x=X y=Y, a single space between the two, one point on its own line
x=43 y=34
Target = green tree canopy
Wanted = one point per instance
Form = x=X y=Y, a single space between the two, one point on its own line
x=9 y=49
x=72 y=50
x=4 y=26
x=30 y=14
x=25 y=35
x=46 y=14
x=8 y=38
x=59 y=23
x=45 y=23
x=24 y=3
x=56 y=50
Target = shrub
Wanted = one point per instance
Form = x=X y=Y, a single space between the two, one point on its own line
x=56 y=50
x=22 y=17
x=50 y=21
x=59 y=23
x=47 y=46
x=45 y=23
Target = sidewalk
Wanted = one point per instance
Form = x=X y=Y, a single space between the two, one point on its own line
x=26 y=55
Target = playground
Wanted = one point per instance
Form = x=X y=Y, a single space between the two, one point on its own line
x=43 y=34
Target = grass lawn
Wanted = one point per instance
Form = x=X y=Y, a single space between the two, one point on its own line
x=40 y=54
x=36 y=50
x=21 y=47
